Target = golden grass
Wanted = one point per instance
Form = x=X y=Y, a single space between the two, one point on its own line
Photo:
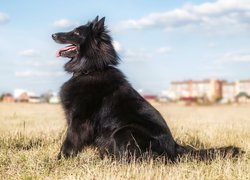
x=30 y=138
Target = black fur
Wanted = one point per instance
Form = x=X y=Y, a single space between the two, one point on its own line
x=103 y=109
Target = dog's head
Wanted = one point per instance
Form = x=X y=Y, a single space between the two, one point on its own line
x=90 y=47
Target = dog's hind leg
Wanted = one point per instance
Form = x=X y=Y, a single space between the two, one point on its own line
x=128 y=143
x=120 y=145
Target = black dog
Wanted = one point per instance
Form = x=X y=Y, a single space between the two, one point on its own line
x=103 y=109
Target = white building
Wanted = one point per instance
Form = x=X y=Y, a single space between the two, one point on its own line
x=229 y=91
x=243 y=86
x=210 y=89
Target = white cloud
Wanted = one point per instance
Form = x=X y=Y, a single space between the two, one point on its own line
x=64 y=23
x=131 y=55
x=4 y=18
x=235 y=57
x=29 y=53
x=164 y=50
x=39 y=74
x=136 y=55
x=117 y=45
x=232 y=13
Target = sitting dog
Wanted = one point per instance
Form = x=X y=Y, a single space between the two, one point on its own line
x=103 y=109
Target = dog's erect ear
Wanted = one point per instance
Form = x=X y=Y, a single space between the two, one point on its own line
x=100 y=24
x=94 y=22
x=96 y=19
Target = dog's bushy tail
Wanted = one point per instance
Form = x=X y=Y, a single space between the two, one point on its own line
x=209 y=154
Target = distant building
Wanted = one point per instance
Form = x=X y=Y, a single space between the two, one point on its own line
x=229 y=91
x=24 y=97
x=204 y=89
x=163 y=99
x=243 y=86
x=150 y=97
x=34 y=99
x=8 y=97
x=21 y=95
x=54 y=99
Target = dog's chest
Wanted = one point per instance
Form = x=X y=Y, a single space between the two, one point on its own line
x=72 y=91
x=82 y=93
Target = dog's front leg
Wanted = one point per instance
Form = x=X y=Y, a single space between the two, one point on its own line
x=73 y=142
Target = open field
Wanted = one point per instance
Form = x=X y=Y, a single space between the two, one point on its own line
x=30 y=138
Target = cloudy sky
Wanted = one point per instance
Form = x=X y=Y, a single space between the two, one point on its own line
x=158 y=41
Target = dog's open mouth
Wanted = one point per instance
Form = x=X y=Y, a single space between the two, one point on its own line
x=69 y=51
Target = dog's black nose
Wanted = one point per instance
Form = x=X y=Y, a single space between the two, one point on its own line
x=54 y=36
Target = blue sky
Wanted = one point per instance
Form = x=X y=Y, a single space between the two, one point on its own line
x=158 y=42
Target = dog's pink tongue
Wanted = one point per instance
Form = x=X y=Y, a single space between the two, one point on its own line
x=71 y=47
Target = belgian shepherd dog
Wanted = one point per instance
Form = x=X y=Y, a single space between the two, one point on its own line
x=103 y=110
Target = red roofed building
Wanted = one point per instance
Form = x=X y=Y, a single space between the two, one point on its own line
x=8 y=98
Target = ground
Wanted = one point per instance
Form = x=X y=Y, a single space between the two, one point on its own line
x=31 y=135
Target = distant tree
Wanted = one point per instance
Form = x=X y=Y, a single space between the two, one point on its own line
x=1 y=97
x=46 y=96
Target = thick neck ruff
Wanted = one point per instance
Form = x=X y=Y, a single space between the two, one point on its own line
x=88 y=72
x=83 y=73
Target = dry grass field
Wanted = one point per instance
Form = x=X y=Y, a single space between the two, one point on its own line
x=30 y=138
